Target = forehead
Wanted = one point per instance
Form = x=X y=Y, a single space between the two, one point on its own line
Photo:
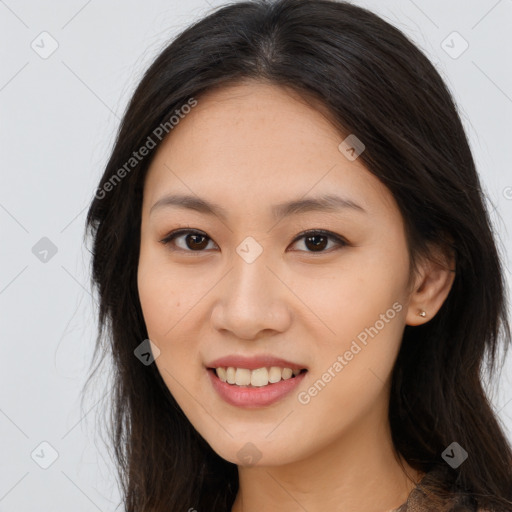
x=259 y=143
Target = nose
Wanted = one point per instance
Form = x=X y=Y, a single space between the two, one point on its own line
x=252 y=302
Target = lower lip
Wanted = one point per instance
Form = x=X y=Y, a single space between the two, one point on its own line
x=254 y=396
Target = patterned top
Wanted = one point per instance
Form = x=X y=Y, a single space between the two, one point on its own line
x=420 y=499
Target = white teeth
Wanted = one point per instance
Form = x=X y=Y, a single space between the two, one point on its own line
x=222 y=374
x=230 y=375
x=242 y=377
x=287 y=373
x=257 y=378
x=275 y=374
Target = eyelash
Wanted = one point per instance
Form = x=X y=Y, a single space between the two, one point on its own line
x=309 y=233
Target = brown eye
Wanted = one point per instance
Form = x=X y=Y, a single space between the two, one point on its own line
x=317 y=241
x=193 y=241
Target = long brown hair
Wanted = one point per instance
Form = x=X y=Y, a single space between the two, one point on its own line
x=377 y=85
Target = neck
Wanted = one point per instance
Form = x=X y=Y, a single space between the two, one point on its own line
x=358 y=471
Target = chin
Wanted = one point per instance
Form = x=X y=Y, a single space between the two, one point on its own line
x=254 y=450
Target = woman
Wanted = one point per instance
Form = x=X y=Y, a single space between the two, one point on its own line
x=297 y=275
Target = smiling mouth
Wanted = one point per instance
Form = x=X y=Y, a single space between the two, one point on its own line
x=257 y=378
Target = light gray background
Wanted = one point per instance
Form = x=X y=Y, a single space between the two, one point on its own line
x=58 y=119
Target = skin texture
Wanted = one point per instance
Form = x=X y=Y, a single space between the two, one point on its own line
x=247 y=147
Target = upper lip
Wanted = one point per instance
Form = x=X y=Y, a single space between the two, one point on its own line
x=252 y=363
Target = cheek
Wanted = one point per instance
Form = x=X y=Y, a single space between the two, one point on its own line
x=351 y=297
x=162 y=308
x=351 y=375
x=364 y=311
x=160 y=293
x=168 y=303
x=157 y=303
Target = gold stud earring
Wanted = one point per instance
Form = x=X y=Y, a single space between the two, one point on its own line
x=422 y=313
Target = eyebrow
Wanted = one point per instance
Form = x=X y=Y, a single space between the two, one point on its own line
x=325 y=203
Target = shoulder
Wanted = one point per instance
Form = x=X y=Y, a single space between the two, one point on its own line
x=437 y=491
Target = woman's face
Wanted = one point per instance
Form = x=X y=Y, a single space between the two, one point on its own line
x=247 y=284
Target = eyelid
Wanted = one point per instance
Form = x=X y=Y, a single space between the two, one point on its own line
x=342 y=242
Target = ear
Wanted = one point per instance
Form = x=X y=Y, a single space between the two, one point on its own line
x=435 y=276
